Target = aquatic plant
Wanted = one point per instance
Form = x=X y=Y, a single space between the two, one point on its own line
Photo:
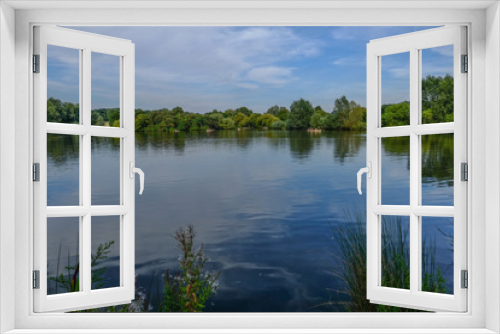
x=351 y=256
x=71 y=281
x=189 y=289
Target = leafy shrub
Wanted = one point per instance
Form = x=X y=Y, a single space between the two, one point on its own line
x=190 y=288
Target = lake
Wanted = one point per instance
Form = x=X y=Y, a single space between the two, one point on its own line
x=264 y=204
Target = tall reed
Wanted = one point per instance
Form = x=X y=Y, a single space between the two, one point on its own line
x=351 y=257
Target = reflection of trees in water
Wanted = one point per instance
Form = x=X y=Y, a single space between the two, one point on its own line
x=100 y=143
x=397 y=147
x=346 y=144
x=302 y=143
x=179 y=141
x=277 y=139
x=437 y=155
x=61 y=148
x=437 y=150
x=437 y=158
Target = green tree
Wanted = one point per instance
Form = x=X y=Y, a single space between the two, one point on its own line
x=396 y=114
x=113 y=115
x=281 y=112
x=300 y=114
x=266 y=120
x=317 y=120
x=437 y=99
x=60 y=112
x=342 y=108
x=279 y=125
x=213 y=120
x=356 y=119
x=252 y=120
x=243 y=110
x=142 y=121
x=238 y=118
x=226 y=124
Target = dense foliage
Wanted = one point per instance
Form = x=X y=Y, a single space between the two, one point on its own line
x=437 y=106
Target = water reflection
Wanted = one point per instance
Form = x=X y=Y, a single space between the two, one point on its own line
x=263 y=203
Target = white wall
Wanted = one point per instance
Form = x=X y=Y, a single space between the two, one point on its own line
x=492 y=150
x=7 y=165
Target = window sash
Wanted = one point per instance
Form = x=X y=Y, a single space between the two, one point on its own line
x=413 y=43
x=86 y=298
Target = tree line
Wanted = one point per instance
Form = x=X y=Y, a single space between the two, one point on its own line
x=437 y=107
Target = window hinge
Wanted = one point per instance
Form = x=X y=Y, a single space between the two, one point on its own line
x=464 y=167
x=36 y=172
x=36 y=63
x=465 y=64
x=36 y=279
x=465 y=279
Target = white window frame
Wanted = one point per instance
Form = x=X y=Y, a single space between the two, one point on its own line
x=484 y=101
x=86 y=44
x=413 y=43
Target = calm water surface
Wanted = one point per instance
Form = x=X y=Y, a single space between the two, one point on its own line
x=262 y=203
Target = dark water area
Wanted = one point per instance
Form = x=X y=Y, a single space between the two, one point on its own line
x=263 y=203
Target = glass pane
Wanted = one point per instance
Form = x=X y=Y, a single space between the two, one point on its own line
x=395 y=87
x=437 y=84
x=105 y=90
x=105 y=252
x=437 y=254
x=63 y=170
x=63 y=84
x=437 y=169
x=395 y=252
x=105 y=171
x=395 y=171
x=63 y=255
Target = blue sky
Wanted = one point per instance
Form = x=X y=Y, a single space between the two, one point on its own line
x=206 y=68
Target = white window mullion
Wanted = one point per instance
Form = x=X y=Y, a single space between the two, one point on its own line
x=82 y=221
x=85 y=237
x=127 y=123
x=373 y=187
x=414 y=170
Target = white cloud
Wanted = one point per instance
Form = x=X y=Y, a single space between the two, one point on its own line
x=271 y=75
x=399 y=72
x=247 y=85
x=213 y=63
x=437 y=70
x=446 y=50
x=349 y=61
x=202 y=54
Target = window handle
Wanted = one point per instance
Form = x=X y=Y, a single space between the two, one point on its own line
x=368 y=171
x=139 y=171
